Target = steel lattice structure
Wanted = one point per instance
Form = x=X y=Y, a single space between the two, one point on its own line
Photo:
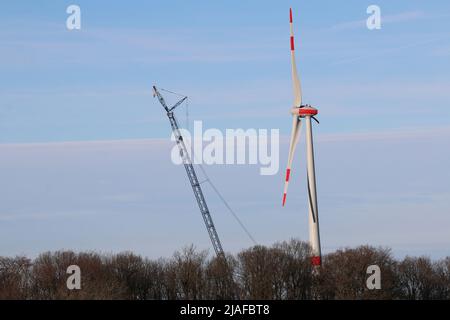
x=191 y=173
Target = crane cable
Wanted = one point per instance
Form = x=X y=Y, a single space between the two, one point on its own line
x=208 y=179
x=186 y=104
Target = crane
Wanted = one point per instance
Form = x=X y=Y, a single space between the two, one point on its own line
x=191 y=173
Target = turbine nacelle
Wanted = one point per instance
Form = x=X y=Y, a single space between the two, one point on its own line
x=304 y=111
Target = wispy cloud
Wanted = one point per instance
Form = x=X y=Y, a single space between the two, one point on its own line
x=441 y=51
x=389 y=135
x=46 y=215
x=391 y=50
x=403 y=133
x=400 y=134
x=87 y=144
x=52 y=45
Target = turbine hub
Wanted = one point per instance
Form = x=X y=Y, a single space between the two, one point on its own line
x=304 y=111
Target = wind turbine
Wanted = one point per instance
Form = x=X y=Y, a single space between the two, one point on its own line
x=304 y=112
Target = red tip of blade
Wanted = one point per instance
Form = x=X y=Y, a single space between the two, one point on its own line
x=316 y=261
x=290 y=15
x=284 y=199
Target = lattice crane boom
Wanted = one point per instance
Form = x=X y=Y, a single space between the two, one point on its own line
x=191 y=173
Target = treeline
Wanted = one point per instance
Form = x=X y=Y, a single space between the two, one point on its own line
x=282 y=271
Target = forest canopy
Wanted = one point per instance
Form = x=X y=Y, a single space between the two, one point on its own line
x=282 y=271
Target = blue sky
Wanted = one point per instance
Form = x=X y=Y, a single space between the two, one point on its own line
x=383 y=98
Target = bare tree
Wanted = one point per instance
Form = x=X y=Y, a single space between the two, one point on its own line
x=49 y=275
x=296 y=269
x=14 y=278
x=129 y=269
x=419 y=279
x=442 y=268
x=188 y=267
x=260 y=273
x=98 y=279
x=154 y=278
x=343 y=274
x=219 y=277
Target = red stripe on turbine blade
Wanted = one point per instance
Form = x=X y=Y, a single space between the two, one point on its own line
x=288 y=173
x=284 y=199
x=316 y=261
x=290 y=15
x=292 y=43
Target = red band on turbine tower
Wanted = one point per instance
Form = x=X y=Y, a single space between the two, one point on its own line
x=316 y=261
x=292 y=43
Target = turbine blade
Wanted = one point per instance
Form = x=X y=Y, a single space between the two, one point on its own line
x=295 y=79
x=295 y=134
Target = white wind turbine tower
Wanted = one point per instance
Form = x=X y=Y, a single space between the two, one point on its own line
x=304 y=112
